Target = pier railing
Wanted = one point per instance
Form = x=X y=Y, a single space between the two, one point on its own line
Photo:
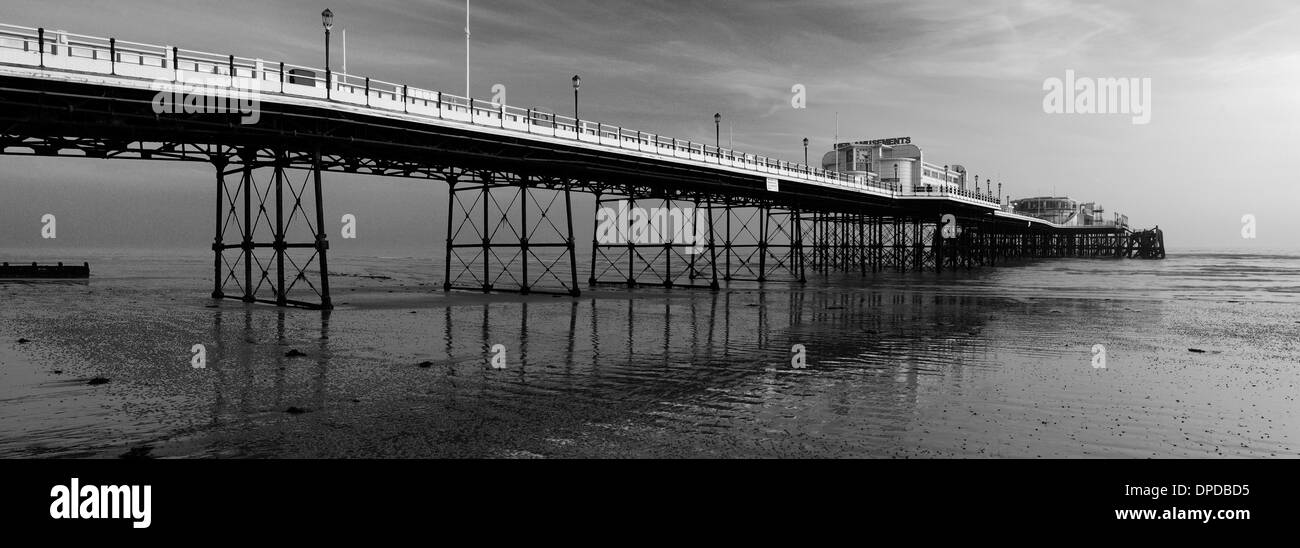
x=77 y=55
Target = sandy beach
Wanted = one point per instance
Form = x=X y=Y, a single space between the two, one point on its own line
x=992 y=363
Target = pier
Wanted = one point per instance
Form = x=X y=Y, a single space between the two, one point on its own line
x=272 y=131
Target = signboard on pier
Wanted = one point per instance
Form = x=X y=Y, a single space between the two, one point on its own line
x=773 y=185
x=890 y=141
x=887 y=142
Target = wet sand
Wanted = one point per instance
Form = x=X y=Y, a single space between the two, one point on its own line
x=984 y=364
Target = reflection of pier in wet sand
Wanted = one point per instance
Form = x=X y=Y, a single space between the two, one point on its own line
x=571 y=364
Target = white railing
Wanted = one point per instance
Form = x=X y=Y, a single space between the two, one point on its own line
x=63 y=51
x=952 y=192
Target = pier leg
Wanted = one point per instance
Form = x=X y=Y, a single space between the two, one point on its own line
x=570 y=243
x=862 y=248
x=218 y=242
x=668 y=241
x=283 y=218
x=938 y=247
x=280 y=289
x=322 y=242
x=798 y=246
x=691 y=268
x=248 y=156
x=451 y=236
x=726 y=244
x=713 y=252
x=486 y=180
x=631 y=240
x=595 y=239
x=524 y=286
x=764 y=214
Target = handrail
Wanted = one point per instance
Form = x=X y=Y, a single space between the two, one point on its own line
x=461 y=109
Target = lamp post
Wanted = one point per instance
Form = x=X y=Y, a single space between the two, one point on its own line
x=717 y=134
x=577 y=126
x=805 y=153
x=327 y=19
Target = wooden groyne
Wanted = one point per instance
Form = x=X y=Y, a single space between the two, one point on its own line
x=39 y=271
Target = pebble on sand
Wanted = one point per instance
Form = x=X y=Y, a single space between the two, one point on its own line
x=295 y=410
x=1196 y=350
x=24 y=341
x=426 y=365
x=98 y=381
x=294 y=353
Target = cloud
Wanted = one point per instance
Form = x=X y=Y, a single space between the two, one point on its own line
x=963 y=78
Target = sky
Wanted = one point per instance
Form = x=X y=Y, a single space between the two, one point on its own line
x=964 y=79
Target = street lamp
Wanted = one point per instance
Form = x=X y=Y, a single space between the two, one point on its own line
x=805 y=152
x=717 y=134
x=327 y=19
x=577 y=83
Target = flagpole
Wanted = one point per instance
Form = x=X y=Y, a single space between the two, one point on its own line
x=470 y=101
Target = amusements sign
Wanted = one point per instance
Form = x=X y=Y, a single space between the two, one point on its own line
x=890 y=141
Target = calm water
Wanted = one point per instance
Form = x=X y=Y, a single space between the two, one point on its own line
x=990 y=363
